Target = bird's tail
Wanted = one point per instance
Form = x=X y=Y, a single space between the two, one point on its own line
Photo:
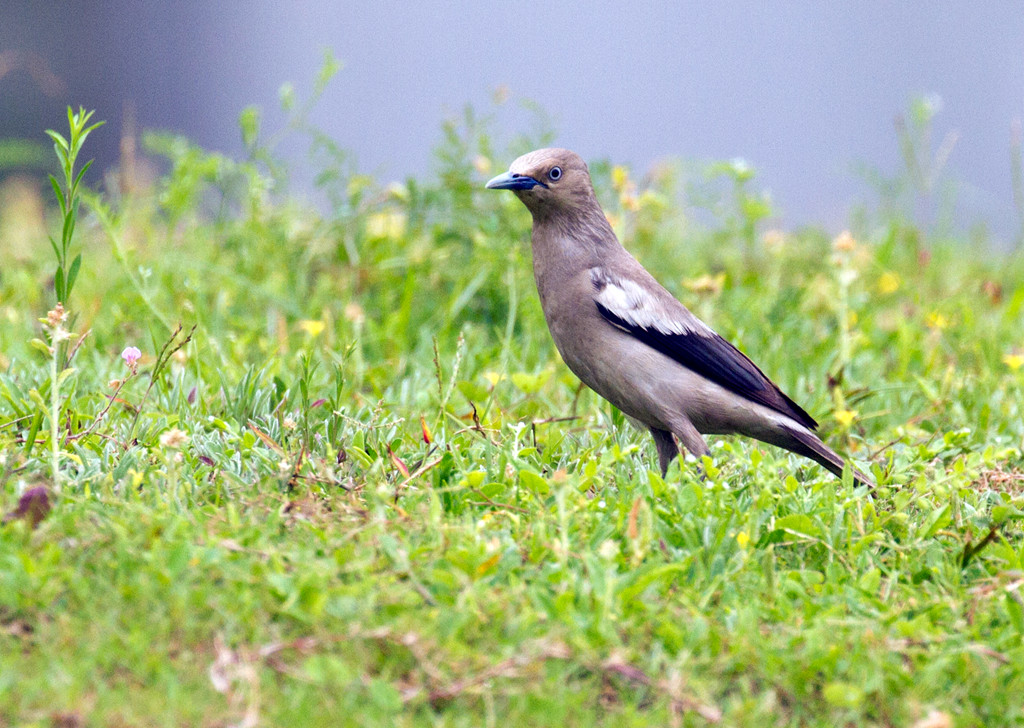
x=806 y=443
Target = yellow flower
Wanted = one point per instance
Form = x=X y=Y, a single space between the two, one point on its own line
x=742 y=539
x=936 y=320
x=706 y=283
x=492 y=378
x=385 y=225
x=620 y=175
x=888 y=283
x=1014 y=361
x=845 y=417
x=313 y=328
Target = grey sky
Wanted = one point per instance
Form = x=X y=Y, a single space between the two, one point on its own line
x=803 y=89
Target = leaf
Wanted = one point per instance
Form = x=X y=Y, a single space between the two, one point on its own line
x=360 y=456
x=68 y=231
x=249 y=123
x=286 y=95
x=58 y=285
x=63 y=376
x=530 y=383
x=798 y=524
x=73 y=272
x=385 y=696
x=328 y=69
x=59 y=194
x=472 y=391
x=398 y=463
x=646 y=579
x=58 y=140
x=843 y=694
x=475 y=478
x=487 y=565
x=870 y=581
x=41 y=346
x=34 y=395
x=1003 y=513
x=533 y=482
x=95 y=126
x=936 y=521
x=81 y=173
x=928 y=389
x=658 y=485
x=1016 y=612
x=30 y=438
x=85 y=135
x=14 y=397
x=53 y=244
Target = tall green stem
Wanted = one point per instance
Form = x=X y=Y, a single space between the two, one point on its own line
x=55 y=417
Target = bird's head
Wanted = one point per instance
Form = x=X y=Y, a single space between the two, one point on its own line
x=547 y=180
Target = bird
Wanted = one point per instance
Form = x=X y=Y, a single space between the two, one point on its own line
x=631 y=341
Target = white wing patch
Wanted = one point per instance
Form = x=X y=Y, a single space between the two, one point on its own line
x=636 y=306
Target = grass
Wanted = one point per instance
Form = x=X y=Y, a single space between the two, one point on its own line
x=357 y=487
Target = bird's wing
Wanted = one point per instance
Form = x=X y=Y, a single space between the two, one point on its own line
x=664 y=324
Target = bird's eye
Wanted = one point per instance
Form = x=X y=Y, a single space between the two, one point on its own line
x=555 y=174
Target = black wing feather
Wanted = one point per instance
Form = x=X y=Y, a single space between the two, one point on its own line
x=711 y=356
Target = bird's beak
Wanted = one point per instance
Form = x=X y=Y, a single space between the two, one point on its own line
x=510 y=181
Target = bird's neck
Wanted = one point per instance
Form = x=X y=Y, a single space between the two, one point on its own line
x=569 y=242
x=580 y=233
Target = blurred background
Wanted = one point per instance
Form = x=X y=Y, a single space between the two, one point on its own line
x=811 y=95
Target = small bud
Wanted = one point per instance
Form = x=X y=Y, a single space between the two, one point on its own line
x=57 y=316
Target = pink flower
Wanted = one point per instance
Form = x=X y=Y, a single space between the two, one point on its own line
x=131 y=356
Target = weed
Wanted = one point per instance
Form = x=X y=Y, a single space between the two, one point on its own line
x=66 y=191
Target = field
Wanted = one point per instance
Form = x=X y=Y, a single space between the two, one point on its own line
x=348 y=481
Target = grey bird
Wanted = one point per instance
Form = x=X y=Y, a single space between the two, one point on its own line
x=630 y=340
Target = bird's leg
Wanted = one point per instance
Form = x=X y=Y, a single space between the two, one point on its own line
x=688 y=436
x=667 y=448
x=692 y=440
